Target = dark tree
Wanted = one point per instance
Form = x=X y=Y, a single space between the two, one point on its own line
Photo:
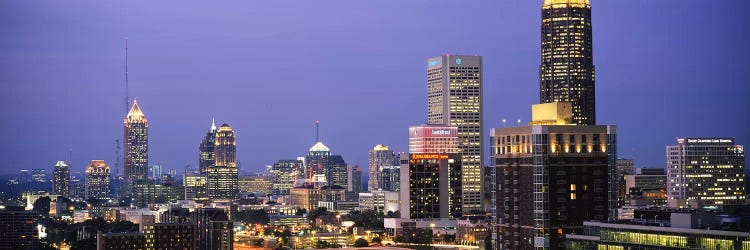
x=259 y=216
x=42 y=206
x=361 y=242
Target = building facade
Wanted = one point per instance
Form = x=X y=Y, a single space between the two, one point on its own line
x=97 y=180
x=454 y=98
x=549 y=180
x=61 y=179
x=195 y=186
x=18 y=228
x=136 y=146
x=381 y=157
x=256 y=184
x=207 y=149
x=319 y=161
x=354 y=179
x=434 y=187
x=705 y=172
x=566 y=73
x=284 y=174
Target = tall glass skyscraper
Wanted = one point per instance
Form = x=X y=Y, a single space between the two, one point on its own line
x=566 y=73
x=381 y=158
x=206 y=151
x=61 y=179
x=454 y=98
x=136 y=146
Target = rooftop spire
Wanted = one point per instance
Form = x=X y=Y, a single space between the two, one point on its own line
x=213 y=124
x=135 y=112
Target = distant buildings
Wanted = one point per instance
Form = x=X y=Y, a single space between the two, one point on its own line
x=206 y=150
x=136 y=146
x=97 y=180
x=18 y=228
x=284 y=174
x=454 y=98
x=624 y=167
x=566 y=73
x=550 y=179
x=223 y=177
x=61 y=179
x=39 y=175
x=705 y=172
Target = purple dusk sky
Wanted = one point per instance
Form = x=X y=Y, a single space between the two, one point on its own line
x=664 y=69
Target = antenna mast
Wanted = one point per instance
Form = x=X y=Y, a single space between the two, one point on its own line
x=317 y=131
x=127 y=97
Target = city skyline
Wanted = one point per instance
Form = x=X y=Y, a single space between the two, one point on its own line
x=268 y=131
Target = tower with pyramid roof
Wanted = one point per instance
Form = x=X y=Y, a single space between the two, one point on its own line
x=136 y=146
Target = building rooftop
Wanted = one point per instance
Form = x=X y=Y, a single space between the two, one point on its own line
x=319 y=147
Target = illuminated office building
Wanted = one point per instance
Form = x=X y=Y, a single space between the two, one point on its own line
x=549 y=180
x=705 y=173
x=431 y=181
x=18 y=228
x=380 y=158
x=223 y=177
x=566 y=73
x=97 y=180
x=454 y=98
x=195 y=186
x=61 y=179
x=284 y=174
x=255 y=184
x=136 y=146
x=206 y=151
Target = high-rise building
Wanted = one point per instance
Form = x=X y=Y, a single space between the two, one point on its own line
x=549 y=180
x=320 y=161
x=223 y=177
x=380 y=157
x=454 y=98
x=61 y=179
x=206 y=151
x=215 y=229
x=705 y=172
x=97 y=180
x=195 y=186
x=354 y=179
x=284 y=174
x=18 y=228
x=156 y=172
x=566 y=73
x=136 y=146
x=225 y=147
x=431 y=183
x=624 y=167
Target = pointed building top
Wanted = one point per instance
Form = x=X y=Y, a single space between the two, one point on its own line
x=135 y=113
x=61 y=164
x=213 y=124
x=319 y=147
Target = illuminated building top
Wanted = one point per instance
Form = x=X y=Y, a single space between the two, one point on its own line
x=564 y=3
x=380 y=147
x=555 y=113
x=319 y=147
x=135 y=114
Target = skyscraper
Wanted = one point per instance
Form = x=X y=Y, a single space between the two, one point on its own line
x=549 y=180
x=206 y=151
x=454 y=98
x=97 y=180
x=136 y=146
x=566 y=73
x=61 y=179
x=284 y=174
x=223 y=177
x=380 y=158
x=431 y=182
x=705 y=172
x=18 y=228
x=354 y=179
x=320 y=161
